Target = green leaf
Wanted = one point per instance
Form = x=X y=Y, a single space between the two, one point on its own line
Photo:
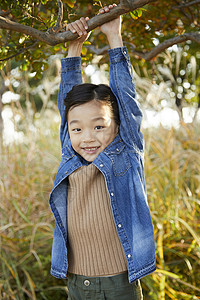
x=139 y=12
x=44 y=2
x=86 y=43
x=24 y=67
x=133 y=15
x=84 y=51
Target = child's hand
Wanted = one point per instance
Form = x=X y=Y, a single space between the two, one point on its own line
x=79 y=26
x=112 y=29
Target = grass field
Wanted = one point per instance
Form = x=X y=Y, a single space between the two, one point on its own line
x=27 y=171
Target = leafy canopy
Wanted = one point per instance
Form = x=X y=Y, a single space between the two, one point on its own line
x=143 y=28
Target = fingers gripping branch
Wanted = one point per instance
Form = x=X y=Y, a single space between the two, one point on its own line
x=53 y=37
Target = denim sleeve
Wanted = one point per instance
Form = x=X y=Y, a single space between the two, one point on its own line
x=122 y=84
x=70 y=75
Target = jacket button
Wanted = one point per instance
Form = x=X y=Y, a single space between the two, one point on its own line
x=86 y=282
x=112 y=194
x=129 y=255
x=101 y=165
x=119 y=225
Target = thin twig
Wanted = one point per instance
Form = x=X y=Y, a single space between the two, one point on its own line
x=37 y=19
x=58 y=25
x=187 y=4
x=168 y=43
x=19 y=52
x=97 y=51
x=183 y=11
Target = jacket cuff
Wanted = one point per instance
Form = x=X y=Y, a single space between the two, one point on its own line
x=118 y=54
x=70 y=63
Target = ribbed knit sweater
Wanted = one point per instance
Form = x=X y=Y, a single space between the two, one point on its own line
x=94 y=248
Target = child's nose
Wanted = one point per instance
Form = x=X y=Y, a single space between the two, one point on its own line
x=88 y=136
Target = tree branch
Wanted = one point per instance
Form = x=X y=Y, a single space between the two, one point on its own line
x=183 y=11
x=193 y=36
x=3 y=87
x=98 y=51
x=155 y=51
x=60 y=17
x=178 y=7
x=187 y=4
x=130 y=5
x=54 y=38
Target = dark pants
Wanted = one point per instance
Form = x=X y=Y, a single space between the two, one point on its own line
x=103 y=288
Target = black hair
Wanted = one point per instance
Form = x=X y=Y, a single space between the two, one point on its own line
x=86 y=92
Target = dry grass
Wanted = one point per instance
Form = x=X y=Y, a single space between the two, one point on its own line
x=173 y=183
x=26 y=224
x=26 y=230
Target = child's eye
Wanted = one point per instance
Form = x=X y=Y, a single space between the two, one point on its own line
x=99 y=127
x=76 y=130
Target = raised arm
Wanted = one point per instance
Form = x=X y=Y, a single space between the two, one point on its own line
x=122 y=84
x=71 y=69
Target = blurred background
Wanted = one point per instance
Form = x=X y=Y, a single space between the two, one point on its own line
x=168 y=88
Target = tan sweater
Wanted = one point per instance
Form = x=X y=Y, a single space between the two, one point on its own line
x=94 y=248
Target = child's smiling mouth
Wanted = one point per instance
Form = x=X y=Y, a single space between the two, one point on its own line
x=90 y=150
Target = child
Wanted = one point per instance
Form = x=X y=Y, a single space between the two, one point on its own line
x=103 y=240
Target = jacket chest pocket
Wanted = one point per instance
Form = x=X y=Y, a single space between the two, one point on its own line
x=120 y=163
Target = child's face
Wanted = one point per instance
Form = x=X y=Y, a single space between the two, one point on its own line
x=91 y=128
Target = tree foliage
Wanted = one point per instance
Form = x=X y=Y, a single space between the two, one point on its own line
x=32 y=30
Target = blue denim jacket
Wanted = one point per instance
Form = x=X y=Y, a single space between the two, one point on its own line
x=122 y=165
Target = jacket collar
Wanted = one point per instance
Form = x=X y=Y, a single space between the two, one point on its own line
x=67 y=150
x=115 y=147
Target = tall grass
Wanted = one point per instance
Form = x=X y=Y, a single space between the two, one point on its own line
x=26 y=231
x=172 y=170
x=27 y=171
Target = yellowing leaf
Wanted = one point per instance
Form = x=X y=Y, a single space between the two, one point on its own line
x=133 y=16
x=84 y=51
x=8 y=266
x=70 y=3
x=139 y=12
x=31 y=284
x=86 y=43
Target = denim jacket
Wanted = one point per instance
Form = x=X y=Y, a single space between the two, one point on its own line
x=122 y=166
